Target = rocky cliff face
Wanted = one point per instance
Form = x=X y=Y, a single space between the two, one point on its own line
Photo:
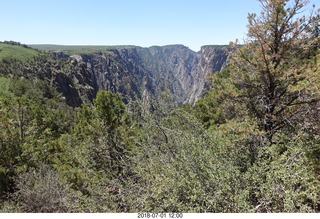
x=167 y=73
x=138 y=72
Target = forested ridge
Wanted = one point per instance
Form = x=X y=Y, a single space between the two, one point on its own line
x=250 y=144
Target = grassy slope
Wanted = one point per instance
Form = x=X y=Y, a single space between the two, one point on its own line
x=17 y=52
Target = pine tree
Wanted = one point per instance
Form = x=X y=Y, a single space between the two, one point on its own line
x=274 y=69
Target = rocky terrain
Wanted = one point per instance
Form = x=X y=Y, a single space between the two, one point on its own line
x=168 y=73
x=138 y=72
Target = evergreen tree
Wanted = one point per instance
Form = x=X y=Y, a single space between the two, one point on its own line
x=278 y=78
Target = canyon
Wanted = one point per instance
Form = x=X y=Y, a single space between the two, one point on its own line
x=174 y=71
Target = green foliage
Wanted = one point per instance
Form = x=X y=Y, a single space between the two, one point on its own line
x=183 y=167
x=4 y=86
x=110 y=109
x=9 y=146
x=213 y=109
x=29 y=122
x=287 y=180
x=41 y=191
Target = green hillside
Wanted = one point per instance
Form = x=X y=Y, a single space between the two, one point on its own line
x=21 y=53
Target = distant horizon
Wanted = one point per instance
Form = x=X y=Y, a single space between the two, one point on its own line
x=124 y=45
x=142 y=23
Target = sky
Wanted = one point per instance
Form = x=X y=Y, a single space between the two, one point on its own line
x=145 y=23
